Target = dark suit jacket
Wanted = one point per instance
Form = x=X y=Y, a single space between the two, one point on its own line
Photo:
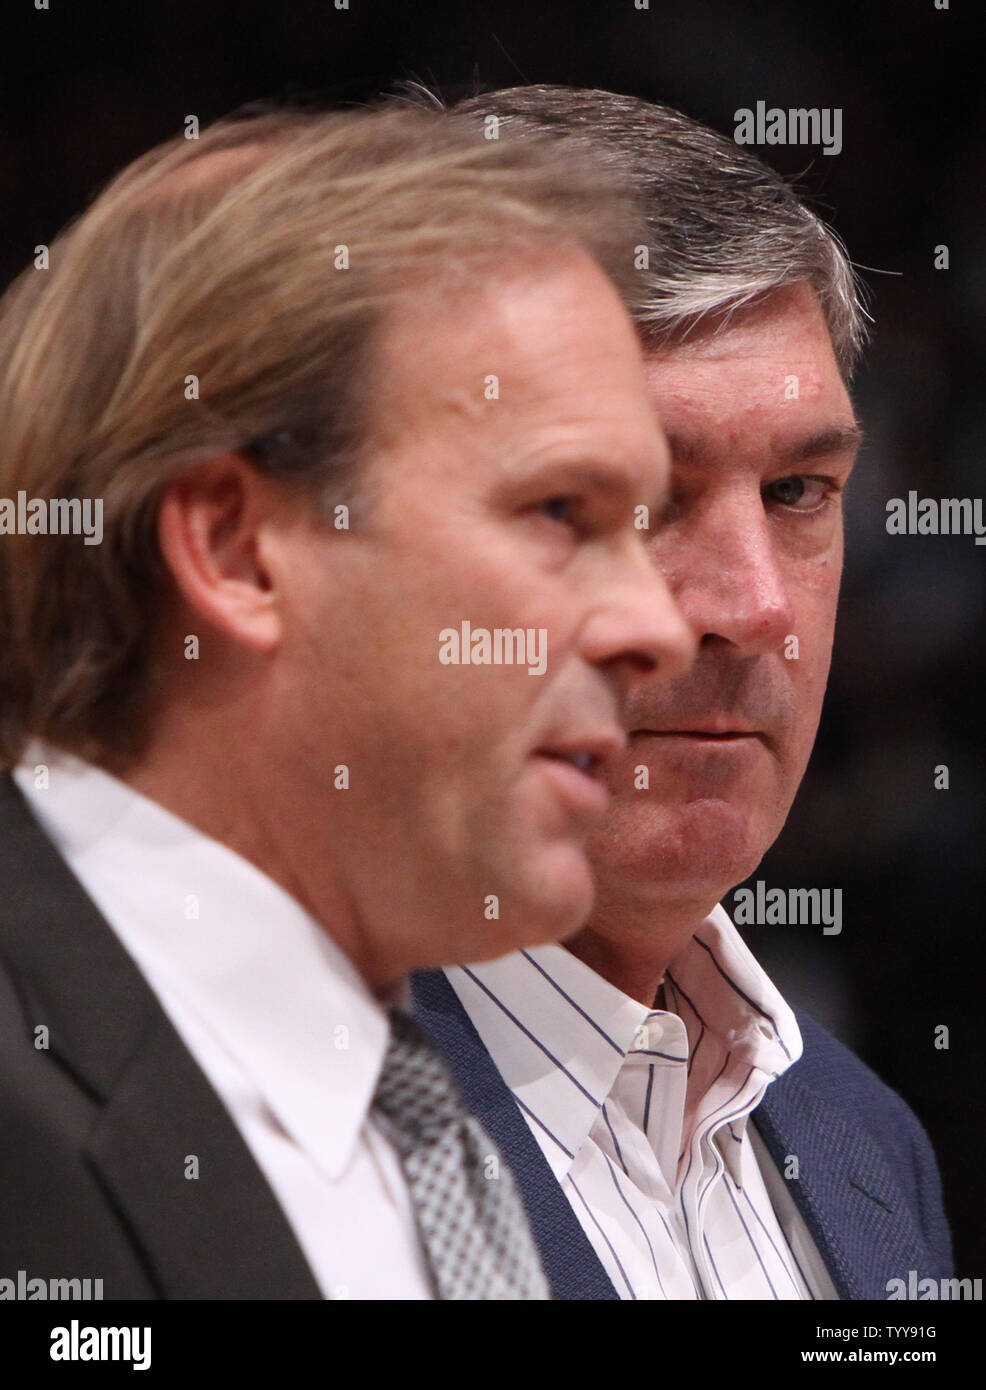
x=95 y=1130
x=868 y=1188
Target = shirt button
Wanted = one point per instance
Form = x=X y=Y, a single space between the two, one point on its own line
x=655 y=1031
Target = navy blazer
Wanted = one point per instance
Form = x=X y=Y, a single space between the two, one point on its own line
x=868 y=1186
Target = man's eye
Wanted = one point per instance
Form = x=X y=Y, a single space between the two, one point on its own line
x=558 y=508
x=803 y=493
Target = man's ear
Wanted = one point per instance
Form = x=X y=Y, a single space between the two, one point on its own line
x=212 y=526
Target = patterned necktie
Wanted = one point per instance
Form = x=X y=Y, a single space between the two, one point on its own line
x=470 y=1218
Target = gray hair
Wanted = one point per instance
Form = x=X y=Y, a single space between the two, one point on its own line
x=726 y=228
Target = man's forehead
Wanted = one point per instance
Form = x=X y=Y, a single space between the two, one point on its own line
x=762 y=379
x=549 y=336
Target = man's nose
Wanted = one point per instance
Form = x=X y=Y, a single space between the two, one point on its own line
x=727 y=576
x=636 y=628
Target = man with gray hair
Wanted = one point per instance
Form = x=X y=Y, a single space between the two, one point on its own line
x=679 y=1131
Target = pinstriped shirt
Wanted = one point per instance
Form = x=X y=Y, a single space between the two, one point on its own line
x=642 y=1113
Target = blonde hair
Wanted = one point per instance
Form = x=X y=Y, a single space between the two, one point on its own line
x=222 y=259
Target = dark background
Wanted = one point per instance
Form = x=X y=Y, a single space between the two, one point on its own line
x=87 y=86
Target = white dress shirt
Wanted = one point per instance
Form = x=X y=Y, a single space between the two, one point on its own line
x=273 y=1012
x=642 y=1113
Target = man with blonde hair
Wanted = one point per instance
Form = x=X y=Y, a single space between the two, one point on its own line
x=322 y=438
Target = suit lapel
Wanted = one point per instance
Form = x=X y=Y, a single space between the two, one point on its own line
x=221 y=1234
x=179 y=1172
x=569 y=1260
x=849 y=1199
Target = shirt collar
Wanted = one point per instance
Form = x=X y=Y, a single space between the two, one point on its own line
x=735 y=997
x=559 y=1033
x=202 y=922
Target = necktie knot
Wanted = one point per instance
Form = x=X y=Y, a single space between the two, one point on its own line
x=416 y=1091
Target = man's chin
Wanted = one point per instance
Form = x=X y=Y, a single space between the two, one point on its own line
x=546 y=897
x=707 y=843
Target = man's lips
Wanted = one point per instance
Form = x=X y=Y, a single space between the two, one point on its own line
x=701 y=736
x=587 y=751
x=577 y=763
x=712 y=726
x=698 y=733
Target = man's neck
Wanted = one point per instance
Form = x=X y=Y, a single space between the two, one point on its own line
x=633 y=948
x=236 y=804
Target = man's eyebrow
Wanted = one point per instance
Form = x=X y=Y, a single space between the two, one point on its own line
x=839 y=439
x=587 y=473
